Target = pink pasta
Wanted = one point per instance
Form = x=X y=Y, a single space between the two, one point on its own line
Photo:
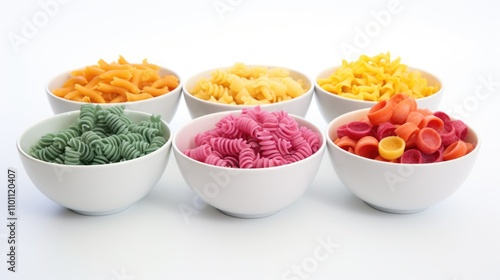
x=255 y=139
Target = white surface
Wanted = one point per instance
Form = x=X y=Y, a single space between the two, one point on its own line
x=457 y=239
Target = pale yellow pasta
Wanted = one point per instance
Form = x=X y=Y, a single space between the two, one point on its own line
x=236 y=83
x=278 y=88
x=220 y=77
x=376 y=78
x=248 y=85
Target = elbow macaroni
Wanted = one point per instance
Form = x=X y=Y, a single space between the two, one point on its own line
x=376 y=78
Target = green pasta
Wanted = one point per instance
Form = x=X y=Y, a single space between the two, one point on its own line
x=100 y=136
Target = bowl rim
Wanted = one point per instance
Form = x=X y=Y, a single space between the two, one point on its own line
x=330 y=143
x=187 y=93
x=330 y=70
x=167 y=144
x=222 y=114
x=177 y=90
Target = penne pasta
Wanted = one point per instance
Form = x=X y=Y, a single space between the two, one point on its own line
x=114 y=82
x=93 y=95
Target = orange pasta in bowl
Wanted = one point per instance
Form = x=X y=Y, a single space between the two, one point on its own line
x=144 y=87
x=116 y=82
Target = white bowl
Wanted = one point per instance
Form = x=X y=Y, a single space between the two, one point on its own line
x=164 y=105
x=396 y=187
x=332 y=105
x=92 y=189
x=244 y=193
x=198 y=107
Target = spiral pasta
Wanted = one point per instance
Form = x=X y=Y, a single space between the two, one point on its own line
x=248 y=85
x=100 y=136
x=254 y=139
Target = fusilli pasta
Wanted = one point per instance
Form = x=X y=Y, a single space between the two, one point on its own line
x=100 y=136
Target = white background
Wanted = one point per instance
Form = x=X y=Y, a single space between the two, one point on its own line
x=457 y=239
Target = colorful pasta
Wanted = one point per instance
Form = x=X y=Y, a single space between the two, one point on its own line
x=396 y=130
x=248 y=85
x=376 y=78
x=255 y=139
x=100 y=136
x=115 y=82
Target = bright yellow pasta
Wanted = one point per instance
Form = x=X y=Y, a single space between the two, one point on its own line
x=248 y=85
x=376 y=78
x=119 y=81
